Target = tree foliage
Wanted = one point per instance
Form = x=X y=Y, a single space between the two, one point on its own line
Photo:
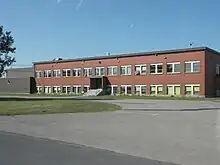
x=6 y=47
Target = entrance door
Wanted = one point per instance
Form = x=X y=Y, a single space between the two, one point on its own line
x=95 y=83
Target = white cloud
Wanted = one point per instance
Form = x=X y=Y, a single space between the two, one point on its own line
x=79 y=4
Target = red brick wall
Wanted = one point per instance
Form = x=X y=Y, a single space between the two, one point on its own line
x=194 y=78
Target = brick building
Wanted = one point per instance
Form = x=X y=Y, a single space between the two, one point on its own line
x=191 y=71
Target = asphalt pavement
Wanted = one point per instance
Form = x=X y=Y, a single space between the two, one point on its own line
x=24 y=150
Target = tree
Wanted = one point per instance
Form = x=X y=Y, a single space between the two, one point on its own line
x=6 y=47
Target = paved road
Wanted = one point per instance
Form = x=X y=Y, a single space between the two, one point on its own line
x=23 y=150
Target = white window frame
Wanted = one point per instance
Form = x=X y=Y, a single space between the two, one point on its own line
x=126 y=89
x=126 y=73
x=56 y=73
x=156 y=89
x=192 y=86
x=66 y=86
x=86 y=86
x=78 y=72
x=173 y=63
x=112 y=68
x=86 y=72
x=191 y=62
x=77 y=89
x=66 y=70
x=38 y=72
x=174 y=85
x=56 y=89
x=141 y=71
x=47 y=73
x=48 y=87
x=156 y=68
x=112 y=87
x=99 y=70
x=140 y=92
x=39 y=87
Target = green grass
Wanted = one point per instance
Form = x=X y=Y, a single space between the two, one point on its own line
x=53 y=106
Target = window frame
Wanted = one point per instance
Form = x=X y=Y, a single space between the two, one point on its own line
x=192 y=89
x=156 y=89
x=174 y=85
x=56 y=73
x=77 y=89
x=173 y=63
x=156 y=68
x=40 y=72
x=47 y=73
x=141 y=71
x=78 y=72
x=191 y=65
x=126 y=73
x=140 y=92
x=86 y=72
x=66 y=70
x=126 y=89
x=99 y=69
x=112 y=68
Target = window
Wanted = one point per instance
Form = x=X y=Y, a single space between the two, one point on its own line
x=125 y=70
x=38 y=74
x=99 y=71
x=77 y=72
x=66 y=89
x=156 y=68
x=56 y=89
x=85 y=88
x=192 y=66
x=77 y=89
x=87 y=72
x=112 y=70
x=66 y=72
x=47 y=73
x=47 y=89
x=193 y=89
x=156 y=89
x=140 y=90
x=112 y=90
x=39 y=89
x=125 y=90
x=173 y=67
x=140 y=69
x=56 y=73
x=217 y=69
x=173 y=90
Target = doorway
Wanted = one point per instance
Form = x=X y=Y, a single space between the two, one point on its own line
x=96 y=83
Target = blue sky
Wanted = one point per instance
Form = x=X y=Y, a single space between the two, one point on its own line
x=46 y=29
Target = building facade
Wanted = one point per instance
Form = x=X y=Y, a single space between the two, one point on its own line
x=191 y=72
x=18 y=80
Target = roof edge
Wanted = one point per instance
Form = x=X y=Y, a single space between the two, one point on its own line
x=131 y=55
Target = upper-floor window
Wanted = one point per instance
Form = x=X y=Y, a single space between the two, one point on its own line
x=66 y=72
x=156 y=68
x=77 y=72
x=112 y=70
x=218 y=69
x=173 y=67
x=56 y=73
x=125 y=70
x=47 y=73
x=99 y=71
x=192 y=66
x=87 y=72
x=140 y=69
x=39 y=74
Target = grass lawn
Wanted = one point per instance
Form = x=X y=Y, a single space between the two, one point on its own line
x=53 y=106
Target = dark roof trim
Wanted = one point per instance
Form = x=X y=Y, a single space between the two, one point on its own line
x=130 y=55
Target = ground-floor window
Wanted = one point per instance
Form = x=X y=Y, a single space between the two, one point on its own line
x=56 y=89
x=125 y=90
x=77 y=89
x=173 y=90
x=112 y=90
x=156 y=90
x=66 y=89
x=140 y=90
x=85 y=88
x=192 y=89
x=40 y=89
x=47 y=89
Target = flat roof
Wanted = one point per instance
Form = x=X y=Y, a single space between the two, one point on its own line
x=130 y=55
